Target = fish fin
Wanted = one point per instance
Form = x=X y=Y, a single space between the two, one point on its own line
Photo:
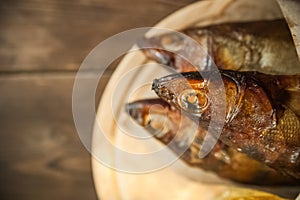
x=283 y=90
x=292 y=94
x=293 y=101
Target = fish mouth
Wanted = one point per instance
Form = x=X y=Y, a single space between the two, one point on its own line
x=165 y=88
x=135 y=112
x=153 y=50
x=138 y=109
x=158 y=85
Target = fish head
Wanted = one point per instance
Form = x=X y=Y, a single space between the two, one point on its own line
x=186 y=91
x=157 y=116
x=178 y=132
x=178 y=51
x=213 y=94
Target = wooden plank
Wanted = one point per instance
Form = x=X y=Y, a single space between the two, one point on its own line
x=42 y=44
x=41 y=156
x=51 y=35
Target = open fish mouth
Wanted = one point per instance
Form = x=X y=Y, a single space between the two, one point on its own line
x=250 y=104
x=161 y=90
x=155 y=52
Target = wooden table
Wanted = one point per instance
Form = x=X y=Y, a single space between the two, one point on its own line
x=42 y=46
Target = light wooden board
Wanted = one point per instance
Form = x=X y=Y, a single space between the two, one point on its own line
x=37 y=35
x=291 y=10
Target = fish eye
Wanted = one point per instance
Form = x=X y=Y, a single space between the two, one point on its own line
x=172 y=42
x=194 y=101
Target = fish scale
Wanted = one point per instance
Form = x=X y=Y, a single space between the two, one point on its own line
x=262 y=118
x=264 y=46
x=187 y=138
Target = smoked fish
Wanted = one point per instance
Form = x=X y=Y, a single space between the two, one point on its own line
x=265 y=46
x=262 y=111
x=184 y=137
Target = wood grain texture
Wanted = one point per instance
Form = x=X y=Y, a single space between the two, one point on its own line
x=42 y=45
x=39 y=35
x=41 y=154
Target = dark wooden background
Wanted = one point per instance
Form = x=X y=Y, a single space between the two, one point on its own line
x=42 y=43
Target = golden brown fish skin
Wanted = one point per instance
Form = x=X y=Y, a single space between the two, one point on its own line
x=282 y=88
x=265 y=46
x=167 y=124
x=247 y=194
x=257 y=122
